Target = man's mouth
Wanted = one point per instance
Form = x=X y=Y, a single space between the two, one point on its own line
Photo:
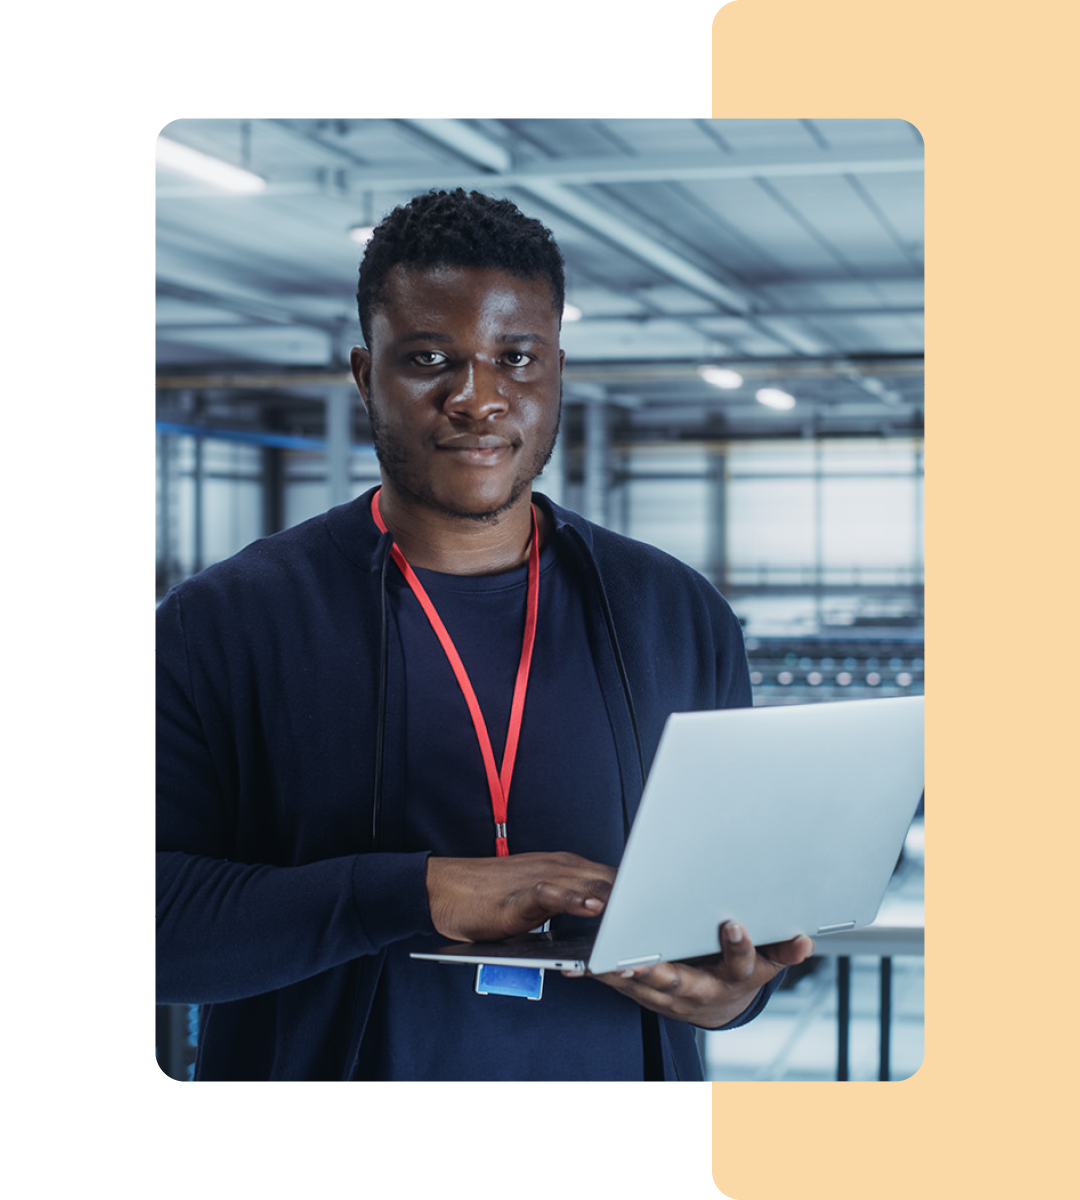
x=476 y=446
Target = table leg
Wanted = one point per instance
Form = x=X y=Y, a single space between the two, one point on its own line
x=843 y=1014
x=886 y=1015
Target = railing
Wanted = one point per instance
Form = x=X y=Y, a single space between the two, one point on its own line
x=810 y=577
x=883 y=941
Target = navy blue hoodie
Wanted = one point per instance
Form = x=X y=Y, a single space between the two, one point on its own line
x=281 y=883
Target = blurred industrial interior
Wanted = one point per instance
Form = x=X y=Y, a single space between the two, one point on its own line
x=743 y=388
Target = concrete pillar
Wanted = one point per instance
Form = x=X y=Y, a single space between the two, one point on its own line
x=918 y=549
x=166 y=541
x=596 y=462
x=273 y=490
x=819 y=534
x=338 y=438
x=198 y=520
x=717 y=516
x=552 y=480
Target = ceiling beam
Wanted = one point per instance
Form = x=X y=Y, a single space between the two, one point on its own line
x=910 y=365
x=715 y=285
x=489 y=162
x=498 y=169
x=844 y=313
x=237 y=301
x=495 y=165
x=466 y=141
x=811 y=314
x=598 y=219
x=646 y=168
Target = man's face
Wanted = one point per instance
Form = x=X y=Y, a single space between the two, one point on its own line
x=462 y=383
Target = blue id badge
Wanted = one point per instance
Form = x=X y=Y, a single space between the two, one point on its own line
x=495 y=980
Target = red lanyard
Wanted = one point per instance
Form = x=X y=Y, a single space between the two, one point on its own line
x=498 y=781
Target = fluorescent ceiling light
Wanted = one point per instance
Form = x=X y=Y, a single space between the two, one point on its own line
x=721 y=377
x=774 y=398
x=206 y=169
x=361 y=234
x=571 y=312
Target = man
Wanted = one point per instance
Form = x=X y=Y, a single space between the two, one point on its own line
x=428 y=714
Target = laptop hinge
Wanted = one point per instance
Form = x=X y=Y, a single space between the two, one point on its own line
x=639 y=962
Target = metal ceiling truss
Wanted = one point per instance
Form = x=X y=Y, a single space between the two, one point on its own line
x=729 y=314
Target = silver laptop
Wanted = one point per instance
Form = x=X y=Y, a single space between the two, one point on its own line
x=788 y=819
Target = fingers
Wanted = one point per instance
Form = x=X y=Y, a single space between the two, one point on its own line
x=572 y=885
x=789 y=953
x=546 y=900
x=478 y=899
x=678 y=990
x=710 y=992
x=740 y=955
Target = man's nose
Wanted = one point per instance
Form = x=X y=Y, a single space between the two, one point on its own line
x=476 y=393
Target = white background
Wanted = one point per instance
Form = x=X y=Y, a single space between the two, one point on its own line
x=87 y=89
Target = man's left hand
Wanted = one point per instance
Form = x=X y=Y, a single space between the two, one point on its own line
x=710 y=992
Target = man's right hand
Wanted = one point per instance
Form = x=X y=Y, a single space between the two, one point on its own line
x=485 y=899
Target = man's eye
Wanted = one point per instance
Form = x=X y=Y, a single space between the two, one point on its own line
x=429 y=358
x=517 y=358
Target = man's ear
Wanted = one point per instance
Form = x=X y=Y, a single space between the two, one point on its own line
x=360 y=361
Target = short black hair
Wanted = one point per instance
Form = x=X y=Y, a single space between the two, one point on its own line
x=457 y=229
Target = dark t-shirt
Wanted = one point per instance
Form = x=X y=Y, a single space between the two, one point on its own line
x=427 y=1021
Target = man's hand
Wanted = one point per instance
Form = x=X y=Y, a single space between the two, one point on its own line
x=483 y=899
x=710 y=992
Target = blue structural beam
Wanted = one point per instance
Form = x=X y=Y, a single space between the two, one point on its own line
x=251 y=437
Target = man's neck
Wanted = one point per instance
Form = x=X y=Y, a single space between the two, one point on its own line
x=438 y=541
